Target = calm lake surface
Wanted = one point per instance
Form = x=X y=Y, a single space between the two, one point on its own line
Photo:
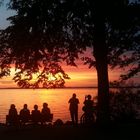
x=57 y=100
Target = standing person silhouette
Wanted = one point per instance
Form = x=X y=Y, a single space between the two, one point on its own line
x=88 y=109
x=73 y=101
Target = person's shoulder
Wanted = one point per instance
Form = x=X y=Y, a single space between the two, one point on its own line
x=85 y=101
x=70 y=99
x=21 y=110
x=28 y=110
x=77 y=99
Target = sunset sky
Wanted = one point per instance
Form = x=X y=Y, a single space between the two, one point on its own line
x=81 y=76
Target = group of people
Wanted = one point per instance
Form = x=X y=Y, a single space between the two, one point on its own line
x=24 y=116
x=36 y=116
x=88 y=108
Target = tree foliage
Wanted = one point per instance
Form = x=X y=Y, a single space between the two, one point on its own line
x=45 y=33
x=32 y=44
x=124 y=105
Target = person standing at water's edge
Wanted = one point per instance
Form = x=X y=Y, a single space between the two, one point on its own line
x=89 y=109
x=74 y=108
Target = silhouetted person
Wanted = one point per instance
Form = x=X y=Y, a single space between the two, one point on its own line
x=88 y=108
x=24 y=114
x=46 y=115
x=12 y=117
x=35 y=115
x=74 y=108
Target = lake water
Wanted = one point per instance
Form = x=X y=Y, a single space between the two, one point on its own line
x=57 y=100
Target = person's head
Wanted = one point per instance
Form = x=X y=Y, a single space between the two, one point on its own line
x=25 y=106
x=89 y=97
x=12 y=106
x=74 y=95
x=36 y=107
x=45 y=105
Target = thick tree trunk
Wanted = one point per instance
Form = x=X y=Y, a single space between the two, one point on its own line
x=100 y=54
x=103 y=91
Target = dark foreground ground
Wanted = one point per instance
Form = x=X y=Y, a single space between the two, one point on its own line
x=67 y=132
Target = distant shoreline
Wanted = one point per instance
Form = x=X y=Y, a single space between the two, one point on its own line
x=69 y=87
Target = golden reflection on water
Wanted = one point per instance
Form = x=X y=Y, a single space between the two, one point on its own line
x=57 y=100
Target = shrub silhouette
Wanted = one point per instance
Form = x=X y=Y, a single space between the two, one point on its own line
x=124 y=105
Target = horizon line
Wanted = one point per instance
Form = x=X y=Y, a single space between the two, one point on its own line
x=69 y=87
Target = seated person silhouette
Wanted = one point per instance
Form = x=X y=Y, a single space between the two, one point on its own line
x=24 y=114
x=88 y=109
x=12 y=117
x=46 y=115
x=35 y=115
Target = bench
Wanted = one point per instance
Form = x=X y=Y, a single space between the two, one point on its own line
x=18 y=121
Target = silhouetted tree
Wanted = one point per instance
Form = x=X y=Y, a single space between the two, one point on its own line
x=32 y=44
x=47 y=32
